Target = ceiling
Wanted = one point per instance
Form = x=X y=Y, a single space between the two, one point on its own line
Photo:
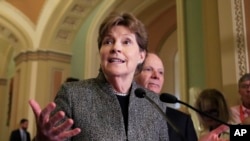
x=159 y=17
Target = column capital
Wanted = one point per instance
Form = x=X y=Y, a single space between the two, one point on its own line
x=42 y=55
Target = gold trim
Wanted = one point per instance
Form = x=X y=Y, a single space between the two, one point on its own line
x=42 y=55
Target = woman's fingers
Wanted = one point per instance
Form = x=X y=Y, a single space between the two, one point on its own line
x=35 y=107
x=45 y=113
x=62 y=131
x=57 y=117
x=42 y=115
x=70 y=133
x=53 y=121
x=214 y=134
x=62 y=127
x=220 y=129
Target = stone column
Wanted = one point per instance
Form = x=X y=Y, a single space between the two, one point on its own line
x=38 y=75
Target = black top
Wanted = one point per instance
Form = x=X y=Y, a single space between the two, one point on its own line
x=124 y=100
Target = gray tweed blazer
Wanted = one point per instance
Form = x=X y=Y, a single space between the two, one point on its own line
x=96 y=110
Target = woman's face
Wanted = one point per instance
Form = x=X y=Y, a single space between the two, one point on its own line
x=120 y=53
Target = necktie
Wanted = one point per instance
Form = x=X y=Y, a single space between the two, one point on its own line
x=24 y=138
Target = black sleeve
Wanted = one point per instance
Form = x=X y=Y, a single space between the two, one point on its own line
x=190 y=134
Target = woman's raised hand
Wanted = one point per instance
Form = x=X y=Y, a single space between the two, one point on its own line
x=48 y=127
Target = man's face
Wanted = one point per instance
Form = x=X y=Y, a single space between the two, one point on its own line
x=244 y=91
x=24 y=125
x=152 y=74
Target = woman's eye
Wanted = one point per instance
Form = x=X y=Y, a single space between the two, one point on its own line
x=107 y=41
x=127 y=42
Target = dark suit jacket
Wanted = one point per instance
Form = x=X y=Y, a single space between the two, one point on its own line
x=184 y=124
x=16 y=135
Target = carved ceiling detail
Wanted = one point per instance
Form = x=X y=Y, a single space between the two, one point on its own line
x=9 y=35
x=73 y=19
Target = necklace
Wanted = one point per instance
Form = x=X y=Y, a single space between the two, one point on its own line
x=119 y=94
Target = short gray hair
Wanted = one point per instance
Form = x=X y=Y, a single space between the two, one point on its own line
x=244 y=78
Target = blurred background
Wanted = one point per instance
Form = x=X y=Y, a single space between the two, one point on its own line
x=203 y=44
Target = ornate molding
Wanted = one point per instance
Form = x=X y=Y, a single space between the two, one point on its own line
x=239 y=29
x=42 y=55
x=8 y=34
x=73 y=19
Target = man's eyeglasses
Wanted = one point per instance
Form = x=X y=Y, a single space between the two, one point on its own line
x=245 y=86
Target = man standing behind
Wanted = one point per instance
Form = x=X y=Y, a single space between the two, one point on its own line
x=242 y=111
x=151 y=76
x=21 y=134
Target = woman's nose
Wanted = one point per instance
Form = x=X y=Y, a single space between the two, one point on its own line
x=116 y=48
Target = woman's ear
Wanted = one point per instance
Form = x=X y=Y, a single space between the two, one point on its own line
x=142 y=56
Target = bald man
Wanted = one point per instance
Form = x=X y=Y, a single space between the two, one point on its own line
x=151 y=76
